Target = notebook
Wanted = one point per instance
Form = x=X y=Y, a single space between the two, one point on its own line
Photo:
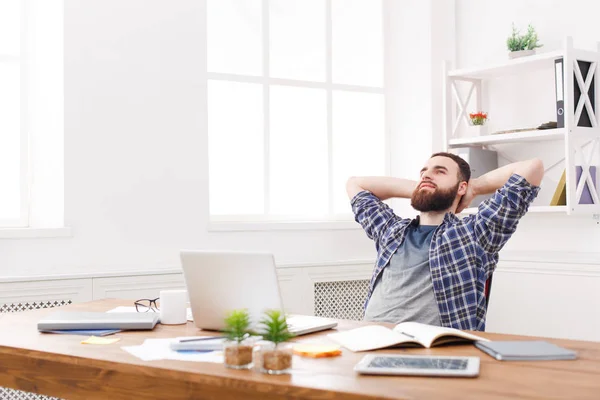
x=372 y=337
x=525 y=351
x=62 y=320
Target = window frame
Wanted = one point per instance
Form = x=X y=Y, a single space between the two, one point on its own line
x=267 y=221
x=23 y=220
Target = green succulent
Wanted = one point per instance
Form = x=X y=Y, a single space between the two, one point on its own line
x=275 y=327
x=528 y=41
x=237 y=325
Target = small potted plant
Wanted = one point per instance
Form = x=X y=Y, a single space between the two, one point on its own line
x=477 y=122
x=478 y=118
x=522 y=45
x=275 y=356
x=237 y=349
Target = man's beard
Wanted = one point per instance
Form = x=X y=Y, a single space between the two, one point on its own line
x=438 y=200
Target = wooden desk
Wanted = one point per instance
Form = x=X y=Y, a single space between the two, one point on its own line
x=58 y=365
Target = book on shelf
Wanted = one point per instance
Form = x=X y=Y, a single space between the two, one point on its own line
x=560 y=193
x=409 y=334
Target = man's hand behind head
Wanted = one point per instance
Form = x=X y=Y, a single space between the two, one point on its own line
x=467 y=198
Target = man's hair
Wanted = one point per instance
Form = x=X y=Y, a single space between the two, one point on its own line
x=464 y=169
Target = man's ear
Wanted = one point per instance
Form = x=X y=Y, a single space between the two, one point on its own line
x=462 y=188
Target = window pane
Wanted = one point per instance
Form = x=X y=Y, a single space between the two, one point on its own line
x=234 y=36
x=357 y=30
x=358 y=141
x=298 y=149
x=10 y=141
x=235 y=148
x=10 y=27
x=297 y=39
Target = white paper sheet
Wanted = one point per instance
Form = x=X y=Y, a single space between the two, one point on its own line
x=158 y=349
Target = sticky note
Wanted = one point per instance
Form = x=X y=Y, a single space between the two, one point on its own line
x=317 y=350
x=100 y=340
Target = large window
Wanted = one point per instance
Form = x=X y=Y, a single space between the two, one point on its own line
x=295 y=105
x=13 y=144
x=31 y=113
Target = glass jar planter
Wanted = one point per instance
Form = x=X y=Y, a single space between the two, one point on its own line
x=274 y=358
x=238 y=355
x=477 y=130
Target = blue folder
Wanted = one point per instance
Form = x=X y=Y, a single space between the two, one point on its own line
x=85 y=332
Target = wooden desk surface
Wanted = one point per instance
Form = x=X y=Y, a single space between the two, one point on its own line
x=58 y=365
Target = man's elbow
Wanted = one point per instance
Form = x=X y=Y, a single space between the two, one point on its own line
x=352 y=187
x=536 y=171
x=350 y=182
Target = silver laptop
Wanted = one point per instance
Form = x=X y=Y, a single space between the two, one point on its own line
x=65 y=320
x=218 y=282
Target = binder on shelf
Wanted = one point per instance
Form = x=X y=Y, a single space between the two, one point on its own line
x=560 y=100
x=560 y=194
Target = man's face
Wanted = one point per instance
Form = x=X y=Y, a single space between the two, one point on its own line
x=438 y=185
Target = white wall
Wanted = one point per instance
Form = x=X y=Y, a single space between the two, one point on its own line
x=136 y=187
x=421 y=36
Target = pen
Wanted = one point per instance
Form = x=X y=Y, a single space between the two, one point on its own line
x=406 y=334
x=202 y=338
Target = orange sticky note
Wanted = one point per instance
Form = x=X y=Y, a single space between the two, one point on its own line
x=317 y=350
x=100 y=340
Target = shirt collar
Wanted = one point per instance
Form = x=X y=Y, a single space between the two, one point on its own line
x=448 y=218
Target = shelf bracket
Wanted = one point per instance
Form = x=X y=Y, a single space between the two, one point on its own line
x=462 y=106
x=585 y=177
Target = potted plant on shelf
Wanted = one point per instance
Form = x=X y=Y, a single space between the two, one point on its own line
x=275 y=356
x=237 y=349
x=478 y=118
x=477 y=122
x=522 y=45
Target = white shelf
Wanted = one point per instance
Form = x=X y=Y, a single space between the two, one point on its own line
x=509 y=67
x=535 y=135
x=532 y=209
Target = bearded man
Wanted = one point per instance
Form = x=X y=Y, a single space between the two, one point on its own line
x=433 y=269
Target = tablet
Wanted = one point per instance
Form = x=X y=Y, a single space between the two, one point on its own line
x=393 y=364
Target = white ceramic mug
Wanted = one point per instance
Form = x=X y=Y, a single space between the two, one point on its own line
x=173 y=307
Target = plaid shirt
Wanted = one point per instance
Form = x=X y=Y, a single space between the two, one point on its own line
x=463 y=252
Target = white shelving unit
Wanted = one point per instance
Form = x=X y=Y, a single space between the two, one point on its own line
x=581 y=144
x=505 y=138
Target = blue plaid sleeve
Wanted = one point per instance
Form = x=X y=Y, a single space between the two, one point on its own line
x=497 y=217
x=372 y=214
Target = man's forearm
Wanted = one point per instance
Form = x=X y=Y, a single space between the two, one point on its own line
x=531 y=170
x=381 y=186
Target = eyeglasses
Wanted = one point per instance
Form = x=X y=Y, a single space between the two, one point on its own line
x=145 y=305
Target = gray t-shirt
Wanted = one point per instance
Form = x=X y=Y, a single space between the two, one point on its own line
x=404 y=291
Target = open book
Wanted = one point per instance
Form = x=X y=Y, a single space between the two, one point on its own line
x=405 y=334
